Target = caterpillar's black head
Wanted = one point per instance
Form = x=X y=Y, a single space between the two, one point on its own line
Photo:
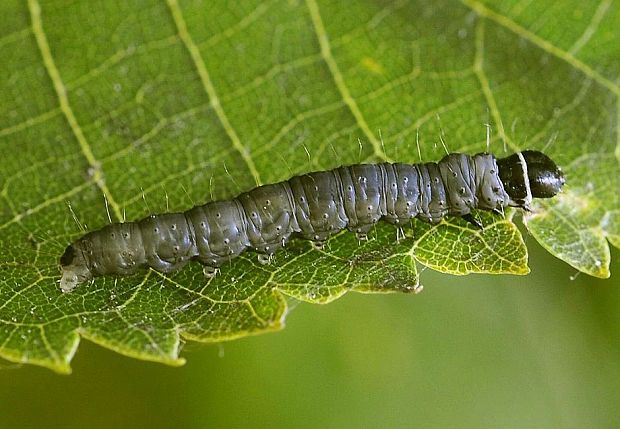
x=544 y=178
x=74 y=268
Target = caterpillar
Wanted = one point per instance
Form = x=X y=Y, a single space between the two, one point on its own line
x=314 y=206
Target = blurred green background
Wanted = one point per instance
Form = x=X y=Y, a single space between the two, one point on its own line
x=478 y=351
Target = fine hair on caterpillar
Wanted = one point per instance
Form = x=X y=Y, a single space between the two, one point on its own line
x=313 y=206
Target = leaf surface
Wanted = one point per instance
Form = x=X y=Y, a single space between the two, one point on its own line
x=115 y=111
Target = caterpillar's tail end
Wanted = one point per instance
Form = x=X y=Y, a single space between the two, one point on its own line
x=74 y=269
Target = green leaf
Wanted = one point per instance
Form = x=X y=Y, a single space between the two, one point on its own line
x=124 y=110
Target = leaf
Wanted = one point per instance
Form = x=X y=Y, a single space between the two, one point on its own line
x=125 y=110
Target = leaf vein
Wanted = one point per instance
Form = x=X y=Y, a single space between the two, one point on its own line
x=207 y=84
x=65 y=107
x=485 y=84
x=343 y=89
x=545 y=45
x=598 y=16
